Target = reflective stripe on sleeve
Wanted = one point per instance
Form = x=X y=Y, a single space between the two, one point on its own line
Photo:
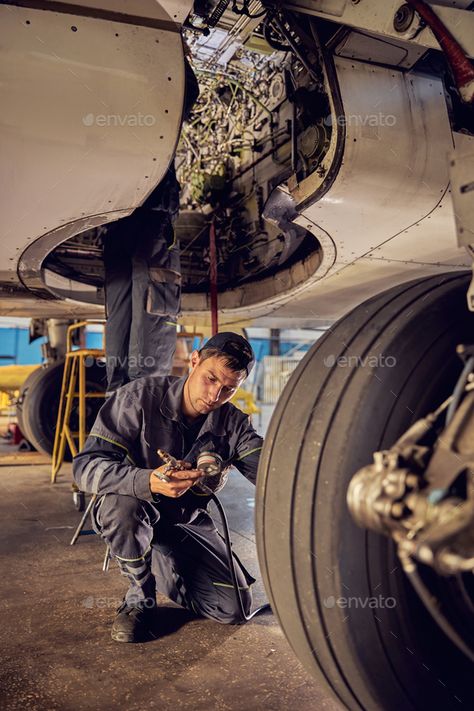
x=246 y=454
x=117 y=444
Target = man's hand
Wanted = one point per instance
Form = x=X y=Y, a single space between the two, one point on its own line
x=180 y=480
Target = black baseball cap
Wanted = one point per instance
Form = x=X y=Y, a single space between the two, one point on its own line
x=233 y=345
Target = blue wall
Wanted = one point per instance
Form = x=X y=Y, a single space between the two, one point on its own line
x=14 y=344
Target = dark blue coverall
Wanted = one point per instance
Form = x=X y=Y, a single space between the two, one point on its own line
x=143 y=279
x=143 y=288
x=161 y=543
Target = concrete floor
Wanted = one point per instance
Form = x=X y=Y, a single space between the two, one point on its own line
x=58 y=605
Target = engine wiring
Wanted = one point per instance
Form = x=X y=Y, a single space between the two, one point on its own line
x=229 y=121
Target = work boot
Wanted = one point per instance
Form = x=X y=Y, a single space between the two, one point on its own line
x=133 y=623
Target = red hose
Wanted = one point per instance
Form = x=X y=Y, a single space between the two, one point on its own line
x=461 y=66
x=213 y=278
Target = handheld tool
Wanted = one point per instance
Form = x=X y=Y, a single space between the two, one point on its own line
x=172 y=463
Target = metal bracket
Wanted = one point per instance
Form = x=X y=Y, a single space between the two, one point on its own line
x=461 y=172
x=382 y=19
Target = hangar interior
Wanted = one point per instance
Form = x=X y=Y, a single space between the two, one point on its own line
x=290 y=183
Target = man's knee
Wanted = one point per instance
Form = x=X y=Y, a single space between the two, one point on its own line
x=120 y=517
x=227 y=611
x=116 y=508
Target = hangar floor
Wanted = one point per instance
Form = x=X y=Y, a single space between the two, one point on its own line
x=56 y=651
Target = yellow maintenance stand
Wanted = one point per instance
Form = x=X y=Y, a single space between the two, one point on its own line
x=74 y=388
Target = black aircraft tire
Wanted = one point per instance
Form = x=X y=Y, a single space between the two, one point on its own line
x=338 y=591
x=29 y=382
x=40 y=402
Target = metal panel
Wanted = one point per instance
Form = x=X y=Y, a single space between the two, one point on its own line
x=392 y=176
x=361 y=45
x=171 y=12
x=91 y=111
x=462 y=183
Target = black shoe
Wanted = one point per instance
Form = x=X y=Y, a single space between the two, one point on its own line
x=133 y=623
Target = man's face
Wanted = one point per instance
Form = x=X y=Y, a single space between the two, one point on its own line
x=211 y=383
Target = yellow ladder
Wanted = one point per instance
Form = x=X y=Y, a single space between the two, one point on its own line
x=74 y=373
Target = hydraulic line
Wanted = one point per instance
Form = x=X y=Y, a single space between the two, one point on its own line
x=235 y=583
x=459 y=389
x=173 y=463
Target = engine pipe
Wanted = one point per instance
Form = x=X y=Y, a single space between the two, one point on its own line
x=213 y=278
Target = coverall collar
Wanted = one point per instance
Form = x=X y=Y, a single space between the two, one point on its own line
x=170 y=405
x=170 y=408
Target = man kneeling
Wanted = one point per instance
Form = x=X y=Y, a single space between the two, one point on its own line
x=154 y=517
